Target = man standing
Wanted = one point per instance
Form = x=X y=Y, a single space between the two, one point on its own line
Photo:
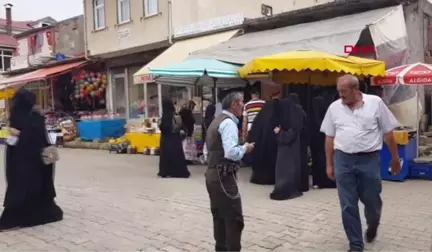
x=223 y=148
x=354 y=127
x=251 y=110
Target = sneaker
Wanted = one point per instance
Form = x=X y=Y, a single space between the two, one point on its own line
x=371 y=234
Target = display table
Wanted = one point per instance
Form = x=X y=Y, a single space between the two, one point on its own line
x=407 y=149
x=100 y=129
x=142 y=140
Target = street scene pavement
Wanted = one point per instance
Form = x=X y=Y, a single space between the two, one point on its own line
x=117 y=203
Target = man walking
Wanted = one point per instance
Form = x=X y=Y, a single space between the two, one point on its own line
x=354 y=127
x=223 y=148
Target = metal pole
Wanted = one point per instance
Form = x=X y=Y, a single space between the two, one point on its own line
x=417 y=122
x=52 y=94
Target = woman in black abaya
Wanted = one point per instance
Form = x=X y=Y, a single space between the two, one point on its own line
x=288 y=163
x=30 y=192
x=319 y=174
x=304 y=142
x=265 y=151
x=172 y=162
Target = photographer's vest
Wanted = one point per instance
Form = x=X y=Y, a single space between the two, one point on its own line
x=216 y=153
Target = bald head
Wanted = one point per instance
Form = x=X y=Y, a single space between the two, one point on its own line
x=348 y=87
x=349 y=80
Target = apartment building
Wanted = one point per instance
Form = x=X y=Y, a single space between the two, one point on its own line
x=128 y=34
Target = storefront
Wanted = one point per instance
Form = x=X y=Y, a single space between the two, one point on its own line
x=70 y=92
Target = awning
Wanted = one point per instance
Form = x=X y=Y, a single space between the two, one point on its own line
x=197 y=68
x=39 y=74
x=179 y=51
x=331 y=35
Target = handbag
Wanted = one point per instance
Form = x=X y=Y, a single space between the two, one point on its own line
x=50 y=155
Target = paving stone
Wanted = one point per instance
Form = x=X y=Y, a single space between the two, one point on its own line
x=117 y=203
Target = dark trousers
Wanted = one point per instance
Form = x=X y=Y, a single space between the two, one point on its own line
x=358 y=178
x=227 y=212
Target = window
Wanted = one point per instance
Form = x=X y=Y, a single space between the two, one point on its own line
x=123 y=11
x=99 y=14
x=5 y=62
x=150 y=7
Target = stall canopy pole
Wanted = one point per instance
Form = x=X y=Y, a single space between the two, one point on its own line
x=417 y=122
x=145 y=100
x=52 y=93
x=160 y=98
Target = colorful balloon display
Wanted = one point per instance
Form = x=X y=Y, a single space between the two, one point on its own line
x=90 y=85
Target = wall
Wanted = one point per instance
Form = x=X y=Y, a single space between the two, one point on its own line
x=189 y=12
x=43 y=51
x=139 y=32
x=69 y=37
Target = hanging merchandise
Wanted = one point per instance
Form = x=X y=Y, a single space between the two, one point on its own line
x=90 y=87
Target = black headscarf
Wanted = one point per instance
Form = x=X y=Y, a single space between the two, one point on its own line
x=168 y=111
x=22 y=106
x=209 y=115
x=289 y=115
x=295 y=98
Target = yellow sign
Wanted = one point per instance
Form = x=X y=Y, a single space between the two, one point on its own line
x=7 y=93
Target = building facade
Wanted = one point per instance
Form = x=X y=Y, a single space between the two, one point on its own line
x=49 y=43
x=128 y=34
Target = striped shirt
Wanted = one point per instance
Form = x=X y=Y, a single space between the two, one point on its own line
x=251 y=110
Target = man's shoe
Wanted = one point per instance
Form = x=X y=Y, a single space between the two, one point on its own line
x=355 y=250
x=371 y=234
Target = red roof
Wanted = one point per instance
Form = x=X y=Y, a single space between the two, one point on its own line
x=6 y=40
x=16 y=24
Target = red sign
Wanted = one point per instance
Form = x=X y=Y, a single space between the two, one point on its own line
x=359 y=49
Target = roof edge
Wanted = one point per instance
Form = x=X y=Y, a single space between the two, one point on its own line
x=320 y=12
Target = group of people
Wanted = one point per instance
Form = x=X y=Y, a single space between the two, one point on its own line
x=282 y=133
x=345 y=151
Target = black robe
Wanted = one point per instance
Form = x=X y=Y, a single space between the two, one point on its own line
x=265 y=151
x=172 y=162
x=288 y=163
x=304 y=142
x=188 y=120
x=30 y=192
x=319 y=174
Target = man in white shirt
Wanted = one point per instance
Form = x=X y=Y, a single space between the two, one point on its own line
x=355 y=126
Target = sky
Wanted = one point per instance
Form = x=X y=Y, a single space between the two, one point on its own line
x=36 y=9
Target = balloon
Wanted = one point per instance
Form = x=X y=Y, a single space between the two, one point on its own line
x=102 y=101
x=77 y=96
x=81 y=95
x=92 y=93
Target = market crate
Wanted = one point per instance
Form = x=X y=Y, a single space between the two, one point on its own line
x=420 y=171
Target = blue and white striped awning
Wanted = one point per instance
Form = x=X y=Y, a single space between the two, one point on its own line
x=195 y=68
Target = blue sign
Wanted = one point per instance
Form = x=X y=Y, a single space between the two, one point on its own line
x=60 y=56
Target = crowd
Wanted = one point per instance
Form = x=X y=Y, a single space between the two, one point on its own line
x=344 y=135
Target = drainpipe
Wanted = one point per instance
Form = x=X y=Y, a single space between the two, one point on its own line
x=85 y=32
x=170 y=32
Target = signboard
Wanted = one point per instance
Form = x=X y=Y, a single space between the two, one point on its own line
x=359 y=49
x=209 y=25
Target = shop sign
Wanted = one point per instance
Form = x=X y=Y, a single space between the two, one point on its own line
x=209 y=25
x=359 y=49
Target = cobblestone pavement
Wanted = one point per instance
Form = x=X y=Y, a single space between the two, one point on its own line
x=116 y=202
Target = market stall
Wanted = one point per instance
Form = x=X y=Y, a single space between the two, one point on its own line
x=408 y=139
x=194 y=74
